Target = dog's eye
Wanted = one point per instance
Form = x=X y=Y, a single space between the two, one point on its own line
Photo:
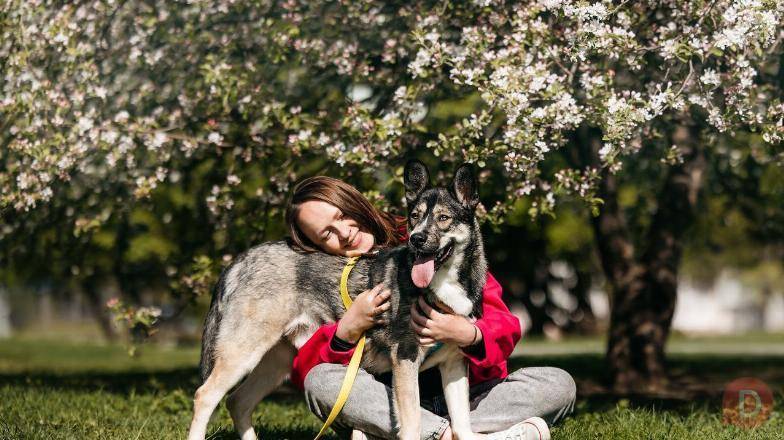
x=414 y=216
x=443 y=217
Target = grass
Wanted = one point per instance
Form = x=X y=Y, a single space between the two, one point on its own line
x=66 y=390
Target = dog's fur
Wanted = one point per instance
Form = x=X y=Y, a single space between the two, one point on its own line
x=271 y=299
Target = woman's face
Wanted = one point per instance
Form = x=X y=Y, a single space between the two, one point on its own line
x=326 y=227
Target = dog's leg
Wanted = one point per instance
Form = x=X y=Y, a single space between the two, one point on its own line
x=405 y=386
x=454 y=378
x=230 y=366
x=267 y=375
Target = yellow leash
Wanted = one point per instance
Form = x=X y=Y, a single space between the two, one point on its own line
x=353 y=365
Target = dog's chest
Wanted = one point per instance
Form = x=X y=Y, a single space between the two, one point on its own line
x=446 y=286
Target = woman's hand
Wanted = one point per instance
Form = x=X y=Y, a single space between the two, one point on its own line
x=363 y=313
x=433 y=326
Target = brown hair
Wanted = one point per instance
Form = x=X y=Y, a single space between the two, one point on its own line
x=384 y=226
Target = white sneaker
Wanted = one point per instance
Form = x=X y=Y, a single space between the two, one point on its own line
x=529 y=429
x=358 y=435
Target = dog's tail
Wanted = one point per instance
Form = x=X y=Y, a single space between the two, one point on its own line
x=211 y=325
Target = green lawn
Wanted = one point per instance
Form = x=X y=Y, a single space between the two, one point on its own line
x=66 y=390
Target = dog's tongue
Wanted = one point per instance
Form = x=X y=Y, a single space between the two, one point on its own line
x=422 y=272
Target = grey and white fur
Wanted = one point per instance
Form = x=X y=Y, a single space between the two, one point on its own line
x=272 y=298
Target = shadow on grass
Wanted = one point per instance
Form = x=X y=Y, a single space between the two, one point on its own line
x=696 y=380
x=121 y=382
x=229 y=433
x=700 y=377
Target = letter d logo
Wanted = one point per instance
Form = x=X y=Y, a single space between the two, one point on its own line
x=743 y=403
x=747 y=402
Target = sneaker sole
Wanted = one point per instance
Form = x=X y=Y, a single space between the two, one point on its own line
x=541 y=426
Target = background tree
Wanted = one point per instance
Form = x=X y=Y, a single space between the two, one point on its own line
x=693 y=73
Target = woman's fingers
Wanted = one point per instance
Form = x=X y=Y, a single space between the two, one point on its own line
x=378 y=311
x=424 y=335
x=416 y=317
x=382 y=308
x=422 y=331
x=377 y=289
x=369 y=296
x=426 y=342
x=381 y=297
x=426 y=309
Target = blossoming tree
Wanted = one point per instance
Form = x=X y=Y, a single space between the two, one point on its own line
x=104 y=102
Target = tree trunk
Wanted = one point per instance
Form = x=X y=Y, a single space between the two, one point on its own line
x=645 y=288
x=626 y=353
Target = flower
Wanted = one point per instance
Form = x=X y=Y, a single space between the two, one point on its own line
x=215 y=138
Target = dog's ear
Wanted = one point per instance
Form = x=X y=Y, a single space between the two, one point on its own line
x=416 y=179
x=466 y=186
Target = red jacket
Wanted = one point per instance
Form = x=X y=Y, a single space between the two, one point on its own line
x=500 y=333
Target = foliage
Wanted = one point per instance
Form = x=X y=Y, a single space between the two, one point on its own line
x=740 y=228
x=154 y=140
x=139 y=320
x=124 y=93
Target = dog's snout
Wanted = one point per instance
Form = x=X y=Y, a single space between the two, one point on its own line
x=418 y=239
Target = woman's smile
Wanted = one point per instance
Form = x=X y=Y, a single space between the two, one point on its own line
x=333 y=231
x=355 y=240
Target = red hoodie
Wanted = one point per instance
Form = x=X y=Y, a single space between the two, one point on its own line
x=500 y=333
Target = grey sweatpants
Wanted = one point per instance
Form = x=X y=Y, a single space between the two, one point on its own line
x=495 y=405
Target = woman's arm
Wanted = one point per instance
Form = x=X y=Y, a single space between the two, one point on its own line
x=318 y=350
x=497 y=331
x=500 y=328
x=334 y=343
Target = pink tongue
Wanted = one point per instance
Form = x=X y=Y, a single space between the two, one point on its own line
x=422 y=272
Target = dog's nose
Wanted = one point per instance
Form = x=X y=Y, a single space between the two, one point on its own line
x=418 y=239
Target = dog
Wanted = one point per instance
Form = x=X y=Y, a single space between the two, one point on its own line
x=272 y=298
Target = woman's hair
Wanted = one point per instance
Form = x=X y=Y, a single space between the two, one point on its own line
x=384 y=227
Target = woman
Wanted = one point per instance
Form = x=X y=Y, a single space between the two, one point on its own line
x=329 y=215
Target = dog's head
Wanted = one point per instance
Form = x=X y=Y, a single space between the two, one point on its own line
x=440 y=220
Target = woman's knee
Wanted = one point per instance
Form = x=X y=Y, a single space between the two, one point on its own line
x=555 y=385
x=563 y=385
x=323 y=374
x=322 y=385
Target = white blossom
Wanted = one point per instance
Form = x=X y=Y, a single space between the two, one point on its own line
x=710 y=78
x=215 y=137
